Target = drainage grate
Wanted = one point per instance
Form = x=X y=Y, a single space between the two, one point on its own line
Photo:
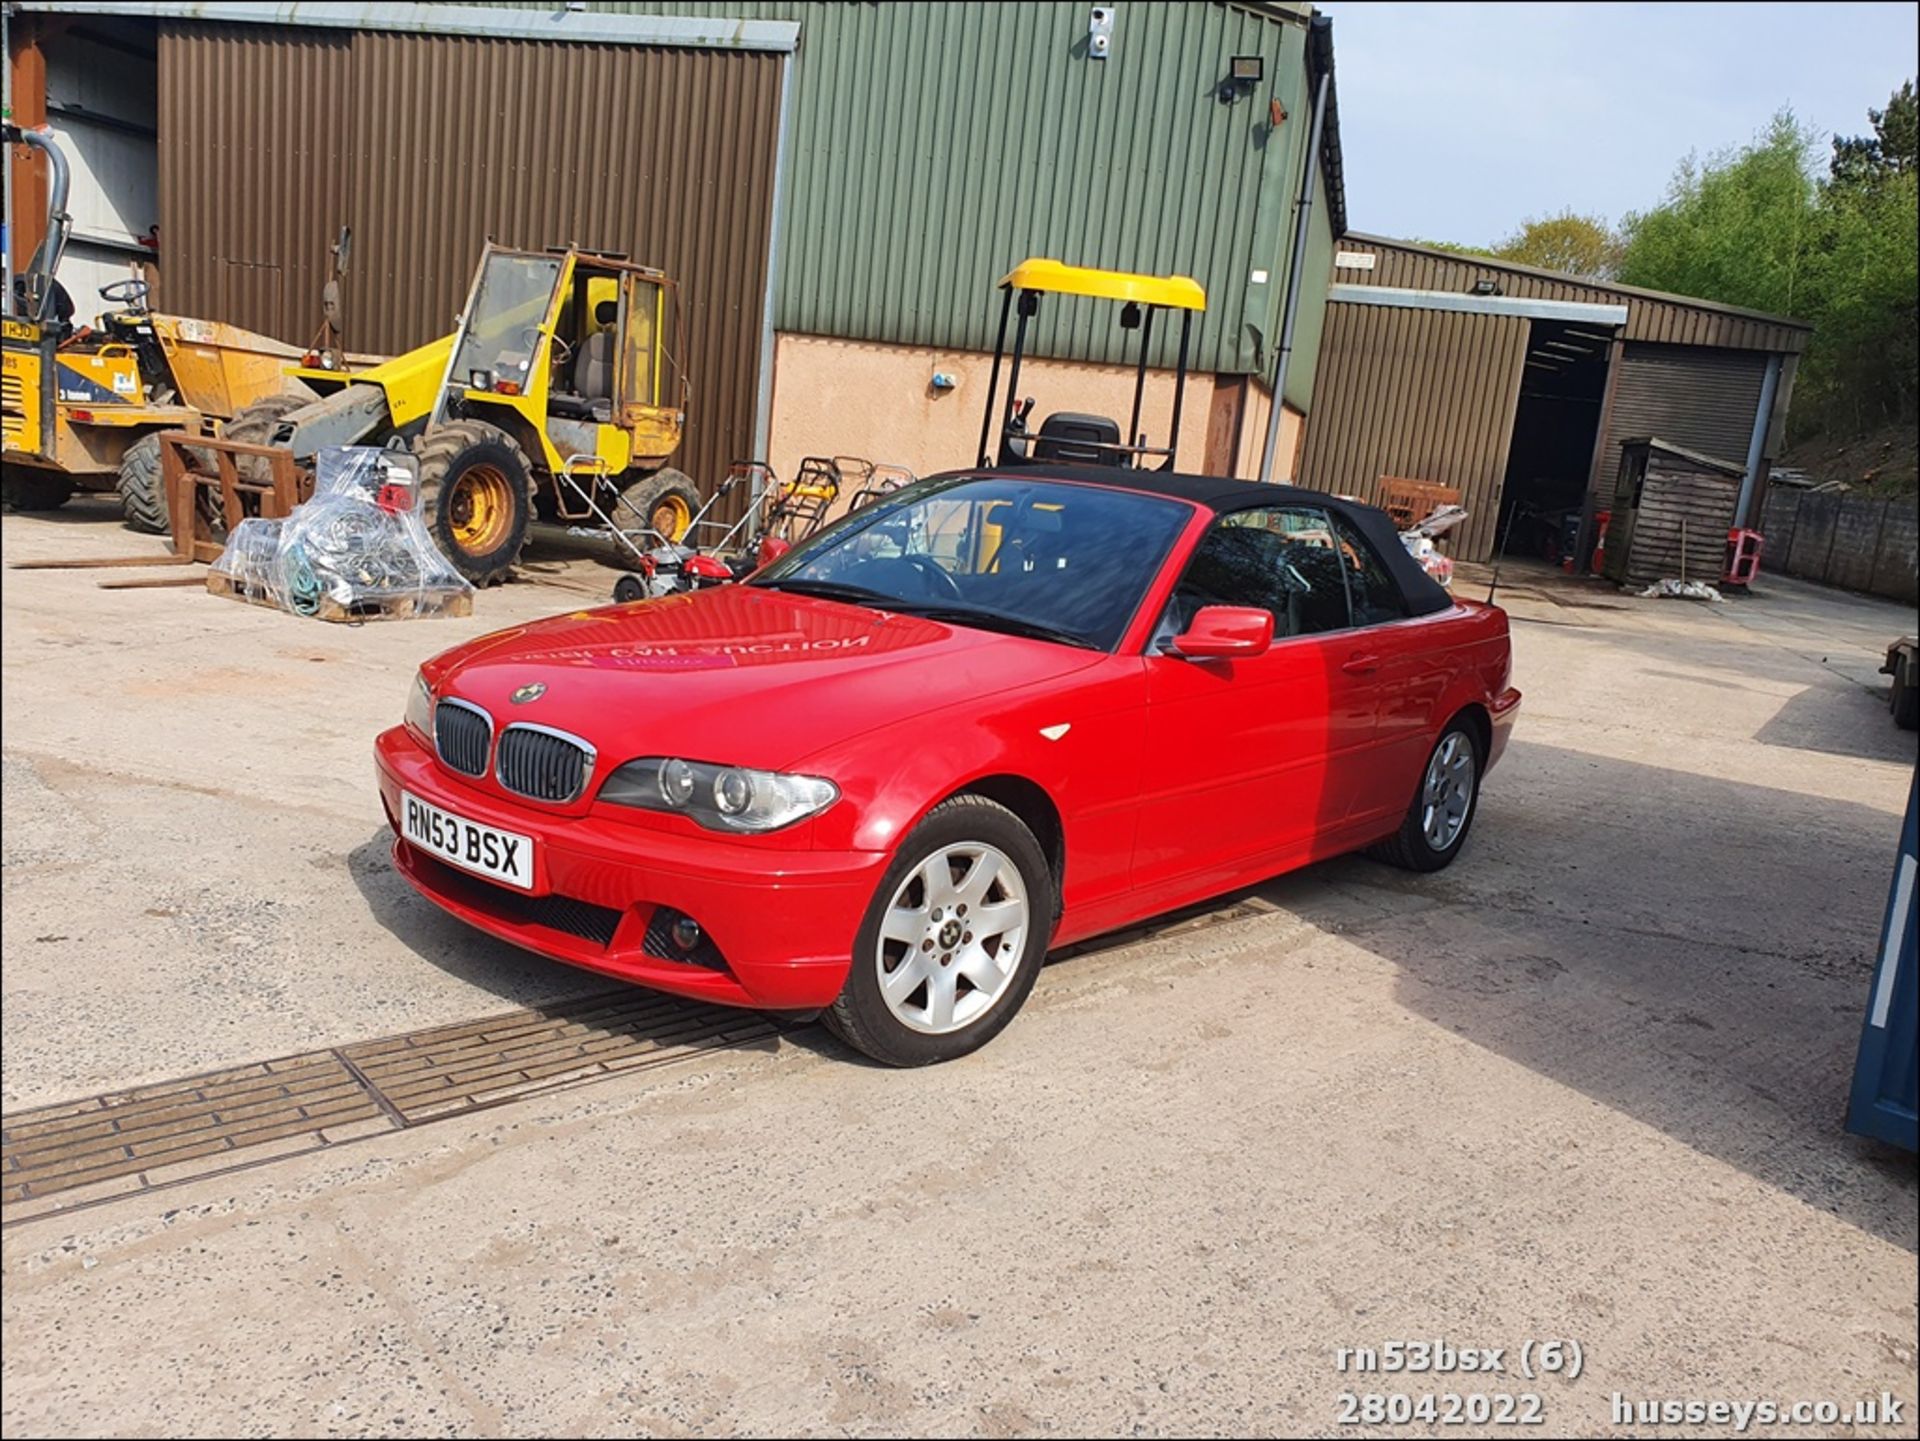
x=53 y=1158
x=461 y=1068
x=130 y=1139
x=56 y=1158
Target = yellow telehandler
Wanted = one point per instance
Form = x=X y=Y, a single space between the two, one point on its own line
x=559 y=394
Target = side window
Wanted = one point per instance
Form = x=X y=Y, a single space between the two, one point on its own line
x=1281 y=560
x=1376 y=594
x=643 y=308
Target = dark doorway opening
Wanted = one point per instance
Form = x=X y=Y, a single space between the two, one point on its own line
x=1548 y=461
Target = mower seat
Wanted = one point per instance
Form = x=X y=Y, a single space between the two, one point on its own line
x=592 y=397
x=1070 y=436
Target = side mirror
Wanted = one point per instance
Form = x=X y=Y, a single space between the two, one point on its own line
x=1223 y=632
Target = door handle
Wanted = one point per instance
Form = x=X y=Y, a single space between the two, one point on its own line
x=1360 y=664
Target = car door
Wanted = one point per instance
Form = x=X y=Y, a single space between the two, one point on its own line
x=1248 y=759
x=1401 y=673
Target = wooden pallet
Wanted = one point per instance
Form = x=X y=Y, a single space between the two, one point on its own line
x=1411 y=501
x=373 y=605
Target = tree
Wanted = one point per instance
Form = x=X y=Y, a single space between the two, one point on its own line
x=1760 y=227
x=1452 y=247
x=1890 y=150
x=1573 y=244
x=1735 y=227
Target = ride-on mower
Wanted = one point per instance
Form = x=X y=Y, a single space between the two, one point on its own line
x=1067 y=435
x=559 y=395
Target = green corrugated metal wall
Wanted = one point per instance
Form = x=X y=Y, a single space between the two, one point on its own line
x=935 y=145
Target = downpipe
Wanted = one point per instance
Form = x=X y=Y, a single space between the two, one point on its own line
x=1303 y=218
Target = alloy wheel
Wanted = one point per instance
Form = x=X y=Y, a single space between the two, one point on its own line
x=952 y=936
x=1446 y=797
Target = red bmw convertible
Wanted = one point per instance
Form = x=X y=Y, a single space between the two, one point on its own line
x=991 y=713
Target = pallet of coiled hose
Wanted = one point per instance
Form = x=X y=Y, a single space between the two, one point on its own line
x=356 y=551
x=363 y=606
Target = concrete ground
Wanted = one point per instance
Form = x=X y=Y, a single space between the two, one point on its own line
x=1586 y=1084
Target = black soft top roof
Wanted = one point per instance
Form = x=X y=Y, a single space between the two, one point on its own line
x=1221 y=495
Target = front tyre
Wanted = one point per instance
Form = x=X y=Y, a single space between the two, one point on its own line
x=953 y=940
x=1443 y=807
x=476 y=497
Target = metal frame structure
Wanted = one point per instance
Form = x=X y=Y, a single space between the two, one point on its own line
x=1141 y=297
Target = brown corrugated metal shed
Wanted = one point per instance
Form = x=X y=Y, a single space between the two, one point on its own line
x=1651 y=315
x=1421 y=377
x=1423 y=394
x=273 y=138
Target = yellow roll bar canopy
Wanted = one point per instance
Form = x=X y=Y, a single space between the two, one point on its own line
x=1177 y=292
x=1068 y=437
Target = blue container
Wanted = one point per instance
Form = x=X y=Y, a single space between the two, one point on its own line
x=1886 y=1077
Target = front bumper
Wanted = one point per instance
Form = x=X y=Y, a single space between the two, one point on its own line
x=781 y=921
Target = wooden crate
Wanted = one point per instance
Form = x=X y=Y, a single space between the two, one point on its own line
x=1410 y=501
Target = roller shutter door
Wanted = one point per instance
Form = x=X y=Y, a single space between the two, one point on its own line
x=1697 y=398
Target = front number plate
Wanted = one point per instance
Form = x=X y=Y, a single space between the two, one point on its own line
x=496 y=854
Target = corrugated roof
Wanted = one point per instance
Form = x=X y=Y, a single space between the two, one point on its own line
x=1653 y=315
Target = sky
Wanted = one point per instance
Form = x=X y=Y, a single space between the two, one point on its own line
x=1458 y=122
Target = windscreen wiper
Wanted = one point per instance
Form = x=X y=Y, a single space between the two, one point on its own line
x=997 y=620
x=832 y=590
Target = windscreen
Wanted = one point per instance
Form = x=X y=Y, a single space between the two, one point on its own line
x=504 y=322
x=1059 y=561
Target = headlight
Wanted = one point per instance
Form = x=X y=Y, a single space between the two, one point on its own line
x=420 y=709
x=721 y=798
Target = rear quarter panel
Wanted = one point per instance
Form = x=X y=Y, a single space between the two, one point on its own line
x=1437 y=666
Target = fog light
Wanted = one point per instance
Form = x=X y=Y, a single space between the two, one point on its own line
x=686 y=933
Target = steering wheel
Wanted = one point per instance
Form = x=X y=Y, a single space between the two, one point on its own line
x=130 y=293
x=927 y=566
x=562 y=352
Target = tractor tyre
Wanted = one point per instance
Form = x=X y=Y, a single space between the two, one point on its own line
x=143 y=493
x=35 y=490
x=476 y=497
x=255 y=425
x=664 y=502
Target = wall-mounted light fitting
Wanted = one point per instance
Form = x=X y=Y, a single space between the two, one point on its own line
x=1244 y=72
x=1487 y=287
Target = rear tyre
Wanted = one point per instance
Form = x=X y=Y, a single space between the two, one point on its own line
x=143 y=495
x=254 y=424
x=953 y=940
x=665 y=501
x=1443 y=808
x=476 y=497
x=35 y=490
